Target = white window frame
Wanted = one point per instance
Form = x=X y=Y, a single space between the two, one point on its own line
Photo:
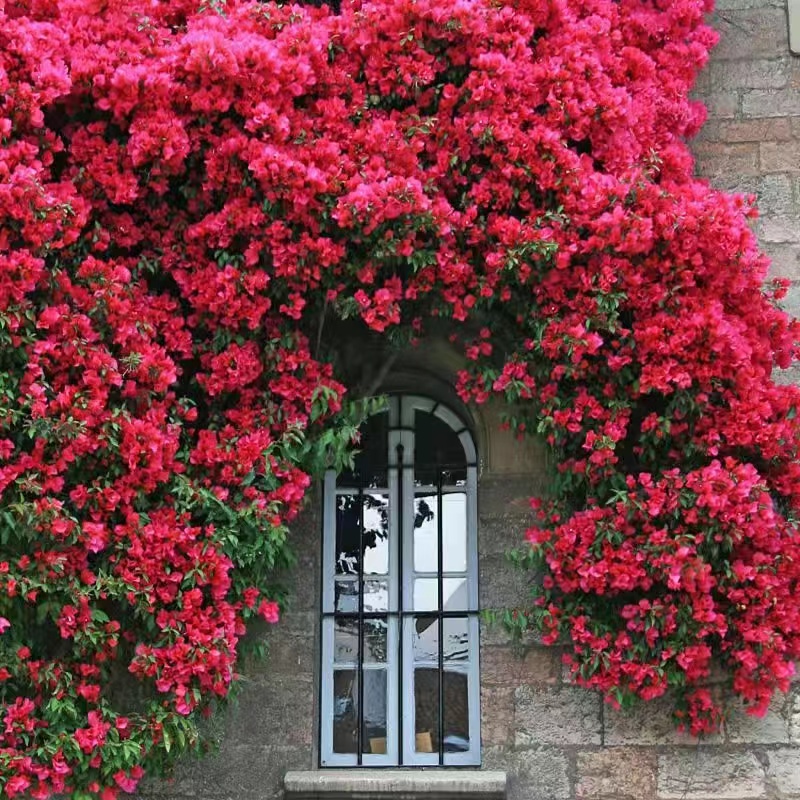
x=400 y=689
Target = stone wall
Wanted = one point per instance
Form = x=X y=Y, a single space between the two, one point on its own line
x=556 y=741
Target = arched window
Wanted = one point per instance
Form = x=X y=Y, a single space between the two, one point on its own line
x=400 y=595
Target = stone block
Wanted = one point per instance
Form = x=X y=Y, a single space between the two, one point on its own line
x=566 y=715
x=756 y=73
x=280 y=710
x=728 y=5
x=784 y=228
x=785 y=258
x=538 y=774
x=705 y=774
x=494 y=633
x=791 y=303
x=303 y=581
x=720 y=159
x=794 y=716
x=787 y=376
x=504 y=585
x=515 y=665
x=783 y=772
x=540 y=665
x=369 y=784
x=747 y=130
x=508 y=495
x=721 y=105
x=616 y=774
x=772 y=728
x=780 y=156
x=648 y=723
x=497 y=715
x=775 y=194
x=753 y=32
x=771 y=102
x=237 y=772
x=291 y=647
x=497 y=535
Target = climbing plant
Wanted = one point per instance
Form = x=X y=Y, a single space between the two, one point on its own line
x=201 y=198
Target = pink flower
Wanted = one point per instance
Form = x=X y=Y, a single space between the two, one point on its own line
x=269 y=610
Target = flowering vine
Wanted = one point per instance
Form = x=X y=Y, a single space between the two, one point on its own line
x=195 y=195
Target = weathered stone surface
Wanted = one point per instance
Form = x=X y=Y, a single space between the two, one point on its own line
x=497 y=715
x=366 y=784
x=507 y=495
x=705 y=774
x=772 y=728
x=538 y=774
x=758 y=73
x=502 y=584
x=728 y=5
x=498 y=535
x=783 y=772
x=564 y=715
x=771 y=102
x=649 y=723
x=794 y=717
x=780 y=156
x=722 y=105
x=791 y=303
x=280 y=709
x=722 y=158
x=785 y=260
x=747 y=130
x=774 y=194
x=243 y=772
x=504 y=454
x=515 y=665
x=494 y=633
x=616 y=774
x=752 y=32
x=781 y=228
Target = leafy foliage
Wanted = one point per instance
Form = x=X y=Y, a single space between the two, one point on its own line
x=195 y=198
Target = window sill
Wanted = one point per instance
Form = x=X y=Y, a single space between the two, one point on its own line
x=395 y=784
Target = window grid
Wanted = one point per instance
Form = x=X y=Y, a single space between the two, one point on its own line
x=401 y=612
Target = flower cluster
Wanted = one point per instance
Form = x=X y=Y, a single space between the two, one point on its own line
x=196 y=199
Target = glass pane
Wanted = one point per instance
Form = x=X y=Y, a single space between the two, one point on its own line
x=345 y=711
x=455 y=594
x=345 y=717
x=426 y=709
x=374 y=731
x=370 y=463
x=456 y=639
x=426 y=639
x=376 y=534
x=345 y=641
x=376 y=596
x=375 y=507
x=454 y=532
x=426 y=594
x=456 y=712
x=348 y=534
x=346 y=597
x=436 y=443
x=426 y=534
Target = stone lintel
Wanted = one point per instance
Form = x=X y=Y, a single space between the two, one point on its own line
x=395 y=784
